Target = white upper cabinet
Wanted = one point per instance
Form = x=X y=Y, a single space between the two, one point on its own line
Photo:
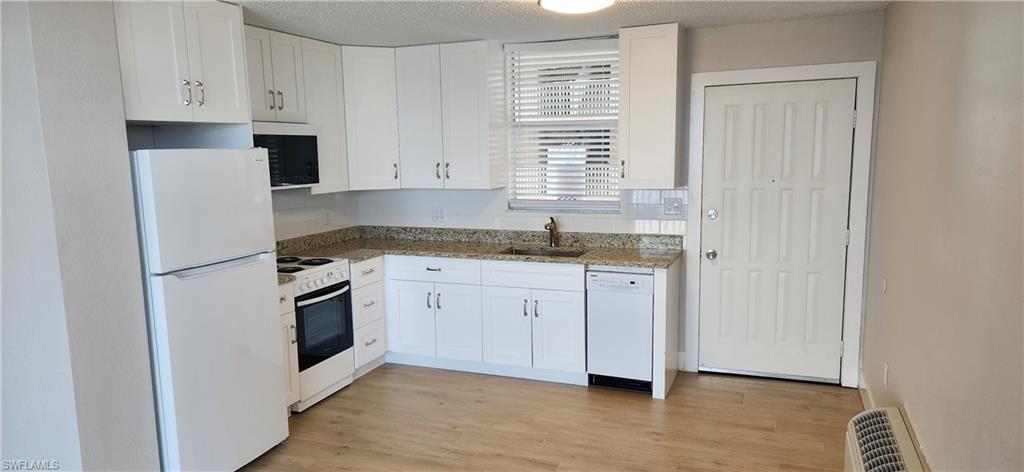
x=154 y=61
x=325 y=112
x=276 y=75
x=419 y=116
x=650 y=106
x=371 y=121
x=473 y=115
x=216 y=60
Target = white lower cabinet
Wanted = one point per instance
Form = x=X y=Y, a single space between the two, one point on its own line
x=507 y=326
x=369 y=343
x=559 y=331
x=410 y=317
x=457 y=321
x=540 y=328
x=289 y=345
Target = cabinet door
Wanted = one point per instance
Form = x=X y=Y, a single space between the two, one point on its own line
x=419 y=116
x=507 y=326
x=457 y=309
x=152 y=48
x=261 y=75
x=289 y=346
x=559 y=331
x=286 y=56
x=410 y=317
x=649 y=107
x=216 y=58
x=465 y=119
x=371 y=121
x=325 y=112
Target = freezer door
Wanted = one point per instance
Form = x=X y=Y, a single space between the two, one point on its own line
x=218 y=363
x=200 y=206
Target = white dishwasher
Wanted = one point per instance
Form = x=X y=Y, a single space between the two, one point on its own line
x=620 y=329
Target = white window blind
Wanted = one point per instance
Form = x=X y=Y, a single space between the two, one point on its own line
x=563 y=102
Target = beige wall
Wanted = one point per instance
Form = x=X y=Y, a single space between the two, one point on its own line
x=946 y=232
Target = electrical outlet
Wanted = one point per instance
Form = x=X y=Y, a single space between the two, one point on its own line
x=437 y=215
x=673 y=206
x=885 y=375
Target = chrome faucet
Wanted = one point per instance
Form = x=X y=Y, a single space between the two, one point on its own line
x=552 y=228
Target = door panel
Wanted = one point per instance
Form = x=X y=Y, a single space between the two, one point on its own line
x=371 y=117
x=777 y=172
x=216 y=57
x=286 y=55
x=457 y=309
x=410 y=317
x=507 y=327
x=290 y=349
x=152 y=48
x=419 y=116
x=261 y=74
x=321 y=65
x=465 y=114
x=559 y=331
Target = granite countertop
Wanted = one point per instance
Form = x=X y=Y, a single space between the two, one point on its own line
x=361 y=249
x=285 y=279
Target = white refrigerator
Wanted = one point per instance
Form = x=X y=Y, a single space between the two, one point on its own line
x=206 y=228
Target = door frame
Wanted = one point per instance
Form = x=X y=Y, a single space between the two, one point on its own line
x=860 y=179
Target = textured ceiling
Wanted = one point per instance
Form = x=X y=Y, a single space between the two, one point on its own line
x=396 y=23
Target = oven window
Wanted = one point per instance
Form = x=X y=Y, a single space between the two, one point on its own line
x=325 y=327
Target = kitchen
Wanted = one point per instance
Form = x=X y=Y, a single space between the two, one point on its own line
x=528 y=208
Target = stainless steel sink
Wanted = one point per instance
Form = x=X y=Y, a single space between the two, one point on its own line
x=543 y=251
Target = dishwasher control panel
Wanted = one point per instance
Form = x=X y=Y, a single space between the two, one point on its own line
x=620 y=282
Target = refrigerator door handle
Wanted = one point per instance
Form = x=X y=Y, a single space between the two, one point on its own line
x=219 y=266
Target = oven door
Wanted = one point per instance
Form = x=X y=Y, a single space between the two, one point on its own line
x=323 y=320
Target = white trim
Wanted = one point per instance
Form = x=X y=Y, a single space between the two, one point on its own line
x=574 y=378
x=864 y=72
x=682 y=360
x=866 y=398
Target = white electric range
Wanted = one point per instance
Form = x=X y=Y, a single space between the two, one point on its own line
x=323 y=320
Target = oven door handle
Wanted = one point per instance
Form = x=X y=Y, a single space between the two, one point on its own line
x=320 y=299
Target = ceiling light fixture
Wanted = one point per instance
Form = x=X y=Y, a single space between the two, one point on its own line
x=574 y=7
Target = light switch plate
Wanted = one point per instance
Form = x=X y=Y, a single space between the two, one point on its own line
x=673 y=206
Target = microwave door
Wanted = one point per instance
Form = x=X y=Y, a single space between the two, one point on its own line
x=302 y=162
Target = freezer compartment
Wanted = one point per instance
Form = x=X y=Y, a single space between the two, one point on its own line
x=202 y=206
x=217 y=364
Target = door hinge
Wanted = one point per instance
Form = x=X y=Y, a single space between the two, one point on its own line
x=854 y=118
x=842 y=348
x=847 y=237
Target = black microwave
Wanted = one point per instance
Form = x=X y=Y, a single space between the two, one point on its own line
x=291 y=150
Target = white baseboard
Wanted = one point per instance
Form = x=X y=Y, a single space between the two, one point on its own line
x=682 y=360
x=865 y=392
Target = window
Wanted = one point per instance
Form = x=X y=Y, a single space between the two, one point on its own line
x=563 y=102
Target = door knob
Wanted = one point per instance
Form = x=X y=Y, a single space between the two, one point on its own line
x=712 y=214
x=711 y=254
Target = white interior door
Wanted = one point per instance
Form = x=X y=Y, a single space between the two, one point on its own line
x=774 y=227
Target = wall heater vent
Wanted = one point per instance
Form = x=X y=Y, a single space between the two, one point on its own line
x=879 y=440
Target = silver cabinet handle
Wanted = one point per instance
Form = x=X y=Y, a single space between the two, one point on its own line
x=437 y=170
x=188 y=88
x=371 y=342
x=368 y=305
x=447 y=170
x=295 y=337
x=433 y=269
x=438 y=300
x=525 y=311
x=367 y=271
x=536 y=311
x=280 y=106
x=623 y=167
x=711 y=254
x=428 y=300
x=273 y=99
x=396 y=170
x=202 y=94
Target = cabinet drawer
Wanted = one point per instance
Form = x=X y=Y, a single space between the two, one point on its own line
x=434 y=269
x=286 y=298
x=370 y=343
x=367 y=272
x=533 y=275
x=367 y=304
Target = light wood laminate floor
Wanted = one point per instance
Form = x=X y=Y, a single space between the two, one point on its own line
x=410 y=418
